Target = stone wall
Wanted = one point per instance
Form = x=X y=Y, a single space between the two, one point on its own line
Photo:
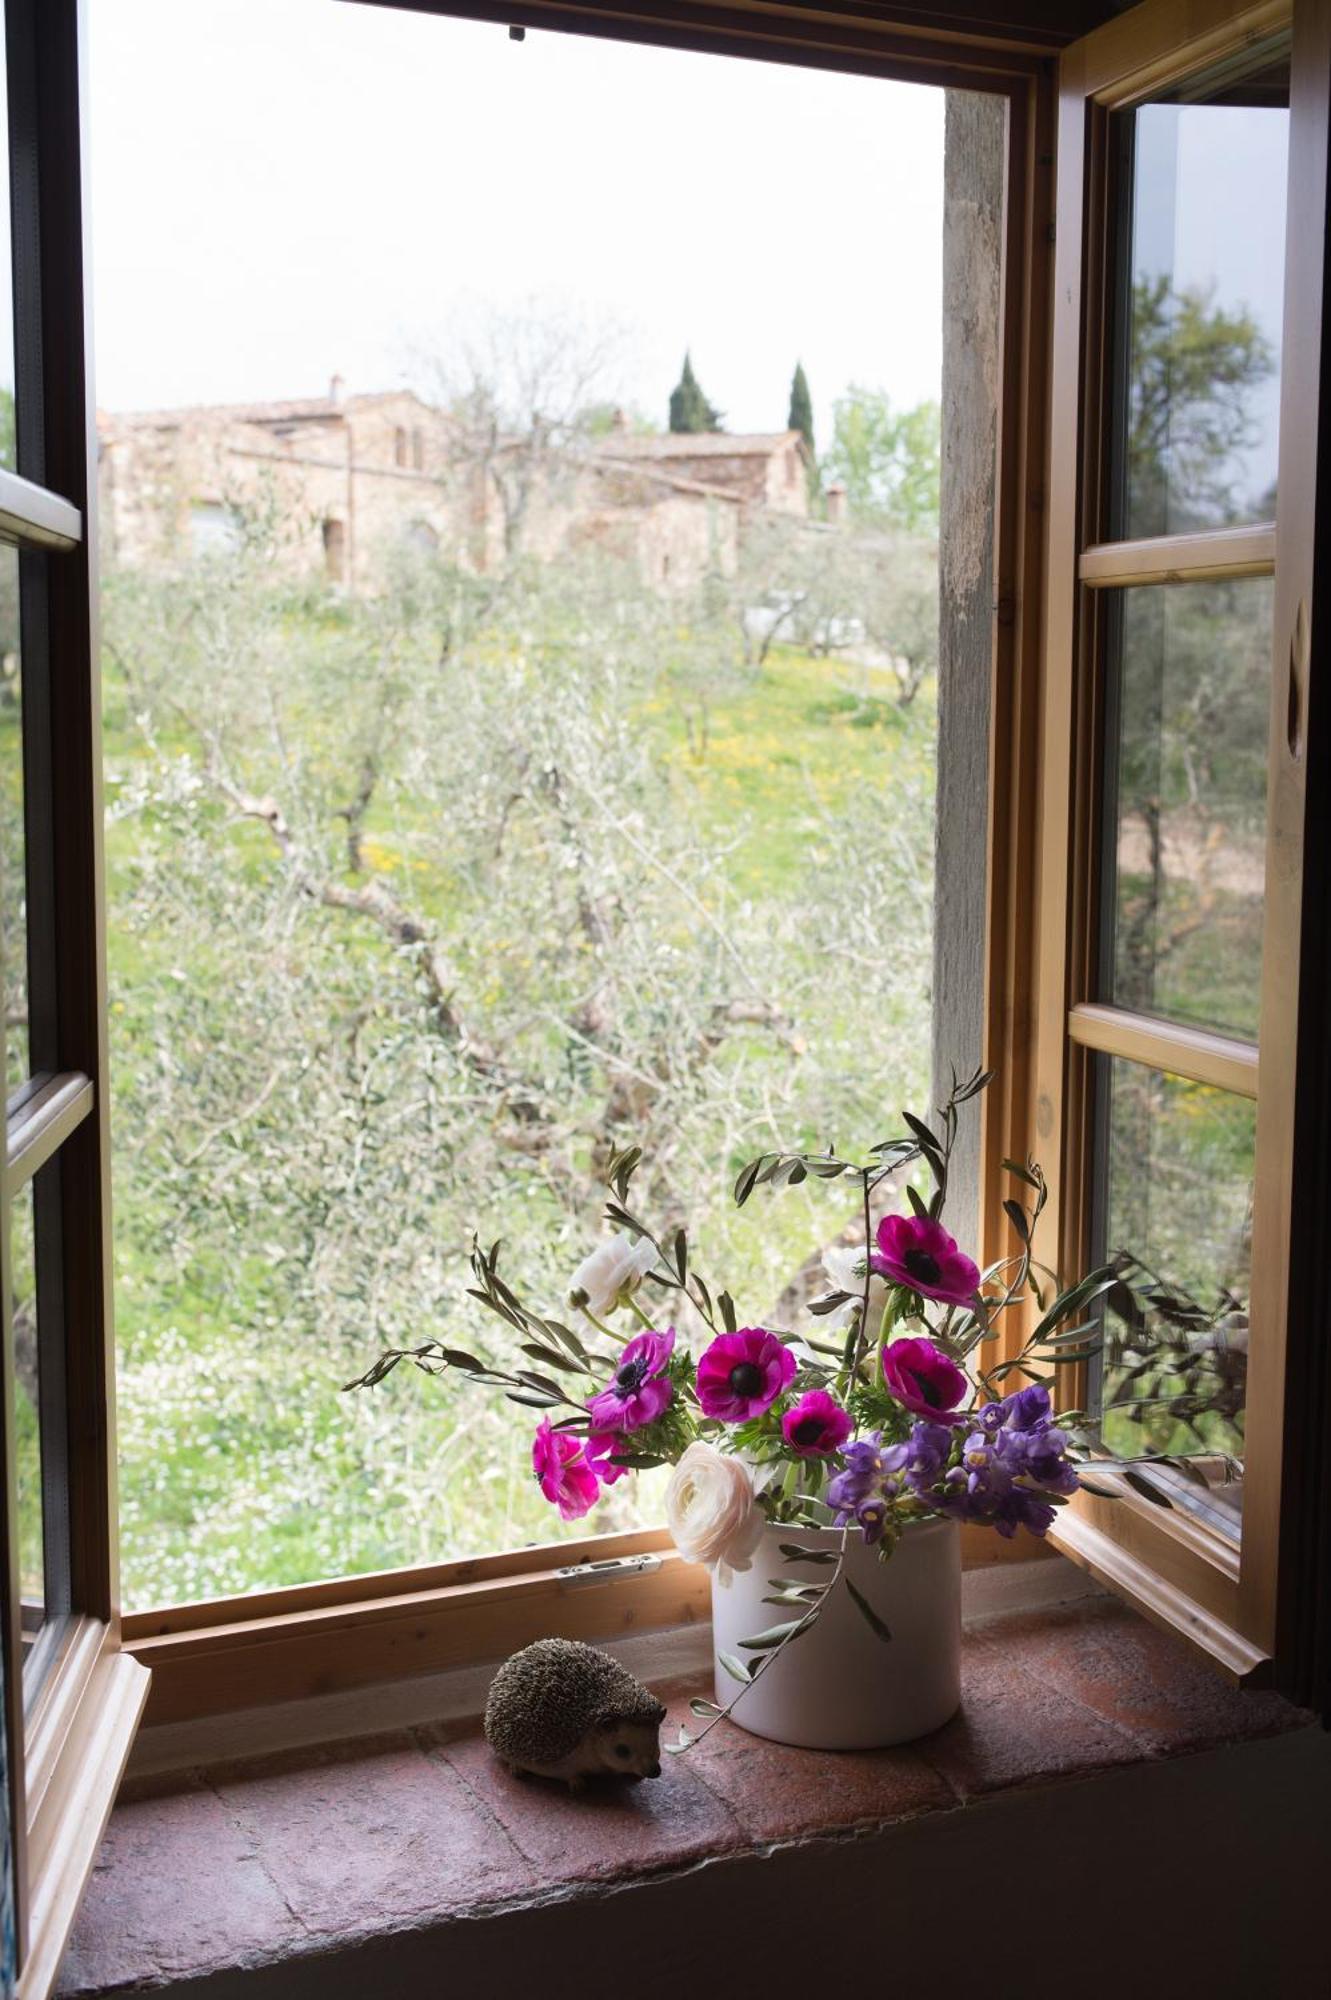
x=973 y=159
x=348 y=481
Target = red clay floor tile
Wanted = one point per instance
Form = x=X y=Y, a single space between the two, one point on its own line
x=177 y=1887
x=1132 y=1674
x=362 y=1842
x=777 y=1793
x=610 y=1829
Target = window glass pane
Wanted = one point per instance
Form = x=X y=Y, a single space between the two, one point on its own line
x=1187 y=721
x=13 y=879
x=1201 y=309
x=27 y=1406
x=1177 y=1200
x=41 y=1417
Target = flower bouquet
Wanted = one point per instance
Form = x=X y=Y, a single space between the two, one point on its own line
x=826 y=1448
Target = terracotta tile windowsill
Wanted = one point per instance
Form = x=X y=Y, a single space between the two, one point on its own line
x=315 y=1851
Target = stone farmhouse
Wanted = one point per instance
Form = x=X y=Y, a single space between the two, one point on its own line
x=351 y=477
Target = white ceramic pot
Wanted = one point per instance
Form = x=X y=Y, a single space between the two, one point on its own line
x=839 y=1686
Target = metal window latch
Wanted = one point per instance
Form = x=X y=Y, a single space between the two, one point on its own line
x=608 y=1569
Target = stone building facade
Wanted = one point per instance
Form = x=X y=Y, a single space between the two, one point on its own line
x=348 y=477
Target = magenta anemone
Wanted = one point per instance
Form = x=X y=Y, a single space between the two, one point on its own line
x=816 y=1426
x=640 y=1388
x=923 y=1379
x=562 y=1471
x=917 y=1252
x=742 y=1373
x=601 y=1456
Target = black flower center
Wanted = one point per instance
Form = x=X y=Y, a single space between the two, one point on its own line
x=632 y=1375
x=807 y=1431
x=926 y=1390
x=922 y=1266
x=746 y=1379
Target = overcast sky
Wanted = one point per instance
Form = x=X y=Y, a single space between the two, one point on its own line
x=284 y=189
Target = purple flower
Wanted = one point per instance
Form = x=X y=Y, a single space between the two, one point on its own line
x=872 y=1479
x=562 y=1471
x=927 y=1453
x=640 y=1390
x=741 y=1374
x=816 y=1426
x=1002 y=1470
x=917 y=1252
x=923 y=1379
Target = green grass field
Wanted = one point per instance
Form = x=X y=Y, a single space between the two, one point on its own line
x=242 y=1463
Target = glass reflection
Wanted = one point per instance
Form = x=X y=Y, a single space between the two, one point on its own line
x=27 y=1416
x=1178 y=1207
x=1205 y=282
x=1189 y=681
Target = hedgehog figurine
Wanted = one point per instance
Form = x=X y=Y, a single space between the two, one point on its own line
x=559 y=1709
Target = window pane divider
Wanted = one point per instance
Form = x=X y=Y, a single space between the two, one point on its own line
x=31 y=516
x=1196 y=1053
x=1226 y=552
x=52 y=1108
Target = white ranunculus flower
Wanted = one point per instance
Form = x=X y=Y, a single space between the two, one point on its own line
x=711 y=1513
x=845 y=1271
x=614 y=1269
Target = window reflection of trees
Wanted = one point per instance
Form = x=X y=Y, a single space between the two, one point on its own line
x=1180 y=1213
x=1193 y=690
x=1191 y=411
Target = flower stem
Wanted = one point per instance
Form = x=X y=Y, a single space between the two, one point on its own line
x=769 y=1659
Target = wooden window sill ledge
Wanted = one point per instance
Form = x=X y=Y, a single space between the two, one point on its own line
x=303 y=1859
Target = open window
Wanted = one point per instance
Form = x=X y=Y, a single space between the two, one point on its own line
x=1176 y=718
x=1153 y=1001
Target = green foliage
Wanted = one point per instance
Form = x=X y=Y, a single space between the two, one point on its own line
x=8 y=449
x=602 y=420
x=422 y=907
x=800 y=415
x=1192 y=368
x=887 y=460
x=689 y=408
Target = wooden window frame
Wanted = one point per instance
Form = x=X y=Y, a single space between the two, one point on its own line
x=1225 y=1598
x=356 y=1632
x=72 y=1708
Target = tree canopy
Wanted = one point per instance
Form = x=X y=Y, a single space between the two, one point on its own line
x=1192 y=370
x=887 y=460
x=800 y=417
x=689 y=408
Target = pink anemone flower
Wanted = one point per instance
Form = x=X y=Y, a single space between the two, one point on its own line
x=640 y=1388
x=562 y=1471
x=601 y=1456
x=816 y=1426
x=741 y=1374
x=917 y=1252
x=923 y=1379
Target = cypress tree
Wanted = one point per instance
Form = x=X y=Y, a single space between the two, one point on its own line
x=689 y=408
x=801 y=407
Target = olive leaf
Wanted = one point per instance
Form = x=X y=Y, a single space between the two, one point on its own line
x=868 y=1613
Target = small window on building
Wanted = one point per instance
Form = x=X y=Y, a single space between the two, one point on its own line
x=214 y=528
x=418 y=449
x=421 y=536
x=399 y=446
x=335 y=550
